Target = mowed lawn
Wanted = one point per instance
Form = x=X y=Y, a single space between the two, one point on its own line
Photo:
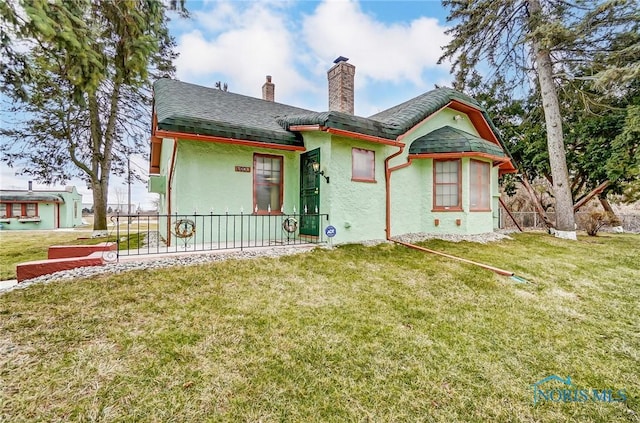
x=21 y=246
x=380 y=334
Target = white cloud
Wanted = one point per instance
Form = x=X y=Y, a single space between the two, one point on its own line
x=380 y=51
x=241 y=42
x=251 y=43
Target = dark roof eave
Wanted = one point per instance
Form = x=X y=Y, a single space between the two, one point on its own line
x=249 y=134
x=30 y=198
x=344 y=122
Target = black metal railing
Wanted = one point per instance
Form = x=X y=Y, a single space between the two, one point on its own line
x=141 y=234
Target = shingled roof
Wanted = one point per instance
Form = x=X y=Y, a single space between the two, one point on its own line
x=453 y=140
x=389 y=123
x=406 y=115
x=29 y=197
x=184 y=107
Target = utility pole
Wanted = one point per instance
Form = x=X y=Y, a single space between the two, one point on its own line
x=128 y=185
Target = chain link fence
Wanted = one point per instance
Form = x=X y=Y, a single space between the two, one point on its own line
x=531 y=220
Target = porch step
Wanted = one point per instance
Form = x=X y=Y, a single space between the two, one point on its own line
x=309 y=238
x=33 y=269
x=67 y=251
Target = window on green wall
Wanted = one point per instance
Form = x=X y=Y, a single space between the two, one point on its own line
x=480 y=186
x=363 y=165
x=30 y=209
x=447 y=186
x=267 y=183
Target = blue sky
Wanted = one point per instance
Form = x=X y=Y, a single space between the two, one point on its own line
x=394 y=46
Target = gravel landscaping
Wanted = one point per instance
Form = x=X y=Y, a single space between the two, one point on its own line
x=145 y=262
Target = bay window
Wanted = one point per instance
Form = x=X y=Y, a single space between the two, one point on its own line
x=480 y=186
x=447 y=185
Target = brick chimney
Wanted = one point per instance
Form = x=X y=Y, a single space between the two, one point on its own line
x=269 y=90
x=341 y=77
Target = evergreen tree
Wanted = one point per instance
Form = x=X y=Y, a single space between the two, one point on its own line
x=77 y=76
x=546 y=38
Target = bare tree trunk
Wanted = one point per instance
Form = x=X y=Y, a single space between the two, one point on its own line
x=607 y=207
x=565 y=218
x=605 y=204
x=99 y=210
x=535 y=201
x=103 y=154
x=596 y=191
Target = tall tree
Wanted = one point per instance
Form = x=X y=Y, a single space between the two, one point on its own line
x=77 y=75
x=546 y=37
x=599 y=156
x=593 y=119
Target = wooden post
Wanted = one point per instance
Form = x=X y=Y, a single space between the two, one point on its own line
x=509 y=213
x=592 y=194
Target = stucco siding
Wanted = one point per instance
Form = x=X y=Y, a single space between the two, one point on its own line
x=446 y=116
x=47 y=219
x=205 y=182
x=357 y=208
x=71 y=209
x=66 y=214
x=166 y=154
x=412 y=188
x=410 y=197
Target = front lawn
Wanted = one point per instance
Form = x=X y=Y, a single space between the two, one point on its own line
x=380 y=334
x=21 y=246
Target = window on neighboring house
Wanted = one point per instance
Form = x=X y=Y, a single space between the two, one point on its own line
x=30 y=209
x=363 y=165
x=447 y=187
x=3 y=210
x=480 y=186
x=267 y=183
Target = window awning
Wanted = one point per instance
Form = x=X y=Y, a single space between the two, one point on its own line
x=29 y=197
x=452 y=140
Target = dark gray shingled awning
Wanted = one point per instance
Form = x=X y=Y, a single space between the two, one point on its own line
x=29 y=197
x=452 y=140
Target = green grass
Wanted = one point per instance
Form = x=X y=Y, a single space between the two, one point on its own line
x=381 y=334
x=19 y=247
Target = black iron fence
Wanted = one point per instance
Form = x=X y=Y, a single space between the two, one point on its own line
x=139 y=234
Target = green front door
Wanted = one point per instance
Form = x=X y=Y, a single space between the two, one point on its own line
x=309 y=194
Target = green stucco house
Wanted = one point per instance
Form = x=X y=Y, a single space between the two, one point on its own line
x=430 y=164
x=37 y=209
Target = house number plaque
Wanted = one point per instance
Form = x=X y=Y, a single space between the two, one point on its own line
x=246 y=169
